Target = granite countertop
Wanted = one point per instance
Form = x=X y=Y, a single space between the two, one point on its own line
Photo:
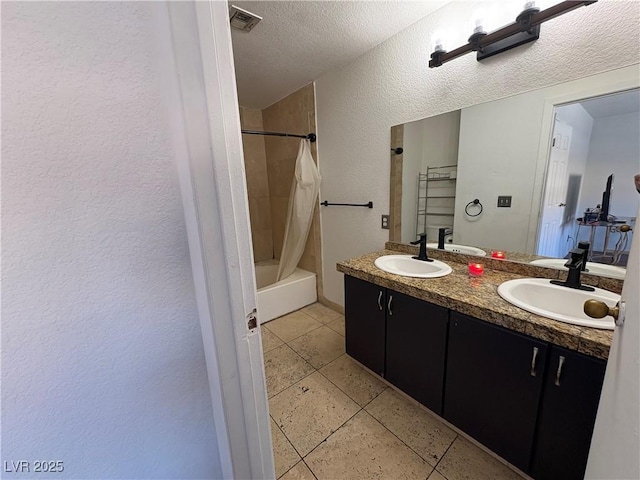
x=478 y=297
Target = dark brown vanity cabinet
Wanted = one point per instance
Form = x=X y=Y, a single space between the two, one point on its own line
x=365 y=322
x=399 y=337
x=415 y=348
x=531 y=402
x=493 y=386
x=567 y=415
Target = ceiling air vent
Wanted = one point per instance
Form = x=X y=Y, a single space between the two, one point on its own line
x=241 y=19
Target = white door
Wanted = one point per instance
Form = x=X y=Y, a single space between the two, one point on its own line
x=555 y=193
x=211 y=168
x=616 y=442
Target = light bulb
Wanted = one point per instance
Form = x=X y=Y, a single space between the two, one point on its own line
x=539 y=4
x=439 y=41
x=479 y=21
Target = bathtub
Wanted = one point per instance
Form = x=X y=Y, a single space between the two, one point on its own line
x=279 y=298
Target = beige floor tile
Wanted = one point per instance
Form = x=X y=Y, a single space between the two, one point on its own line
x=299 y=472
x=337 y=325
x=436 y=476
x=292 y=325
x=465 y=461
x=364 y=449
x=284 y=455
x=310 y=411
x=319 y=346
x=424 y=433
x=353 y=380
x=283 y=367
x=269 y=340
x=321 y=313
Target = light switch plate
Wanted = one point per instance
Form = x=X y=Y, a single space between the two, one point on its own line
x=384 y=224
x=504 y=201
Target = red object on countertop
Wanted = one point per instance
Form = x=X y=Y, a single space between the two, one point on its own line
x=499 y=255
x=476 y=269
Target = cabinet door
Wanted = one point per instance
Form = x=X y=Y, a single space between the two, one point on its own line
x=416 y=344
x=364 y=313
x=493 y=386
x=567 y=415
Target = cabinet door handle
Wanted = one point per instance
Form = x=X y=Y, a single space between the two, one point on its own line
x=533 y=361
x=559 y=371
x=380 y=300
x=389 y=305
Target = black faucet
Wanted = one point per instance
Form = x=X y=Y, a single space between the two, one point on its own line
x=422 y=254
x=585 y=246
x=575 y=268
x=443 y=232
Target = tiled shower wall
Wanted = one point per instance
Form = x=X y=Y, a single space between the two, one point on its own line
x=255 y=161
x=292 y=114
x=395 y=188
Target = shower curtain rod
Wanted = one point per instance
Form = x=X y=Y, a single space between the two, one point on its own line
x=311 y=137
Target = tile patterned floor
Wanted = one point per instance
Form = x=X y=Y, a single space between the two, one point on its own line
x=332 y=420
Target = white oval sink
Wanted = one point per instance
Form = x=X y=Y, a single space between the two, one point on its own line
x=601 y=269
x=467 y=250
x=540 y=296
x=409 y=267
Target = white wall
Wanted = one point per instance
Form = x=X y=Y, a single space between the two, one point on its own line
x=614 y=148
x=102 y=355
x=440 y=140
x=498 y=155
x=358 y=103
x=431 y=142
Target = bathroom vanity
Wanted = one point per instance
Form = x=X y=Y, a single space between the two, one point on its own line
x=524 y=386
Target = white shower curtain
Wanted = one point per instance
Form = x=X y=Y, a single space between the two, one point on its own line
x=302 y=201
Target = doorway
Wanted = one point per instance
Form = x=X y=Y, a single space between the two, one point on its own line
x=592 y=139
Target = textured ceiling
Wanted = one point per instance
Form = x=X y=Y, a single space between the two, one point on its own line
x=298 y=41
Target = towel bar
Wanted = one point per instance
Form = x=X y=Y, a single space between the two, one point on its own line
x=368 y=205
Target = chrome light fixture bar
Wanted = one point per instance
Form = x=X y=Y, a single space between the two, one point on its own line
x=525 y=29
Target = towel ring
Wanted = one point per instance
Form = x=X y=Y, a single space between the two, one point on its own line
x=472 y=203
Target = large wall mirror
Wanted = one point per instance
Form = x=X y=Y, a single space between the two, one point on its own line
x=531 y=175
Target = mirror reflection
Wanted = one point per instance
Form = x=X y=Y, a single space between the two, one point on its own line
x=513 y=178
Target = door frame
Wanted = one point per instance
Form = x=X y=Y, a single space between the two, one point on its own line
x=606 y=83
x=205 y=124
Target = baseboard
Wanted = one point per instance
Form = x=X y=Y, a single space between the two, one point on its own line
x=332 y=305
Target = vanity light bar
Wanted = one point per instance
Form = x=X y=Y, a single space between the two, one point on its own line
x=525 y=29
